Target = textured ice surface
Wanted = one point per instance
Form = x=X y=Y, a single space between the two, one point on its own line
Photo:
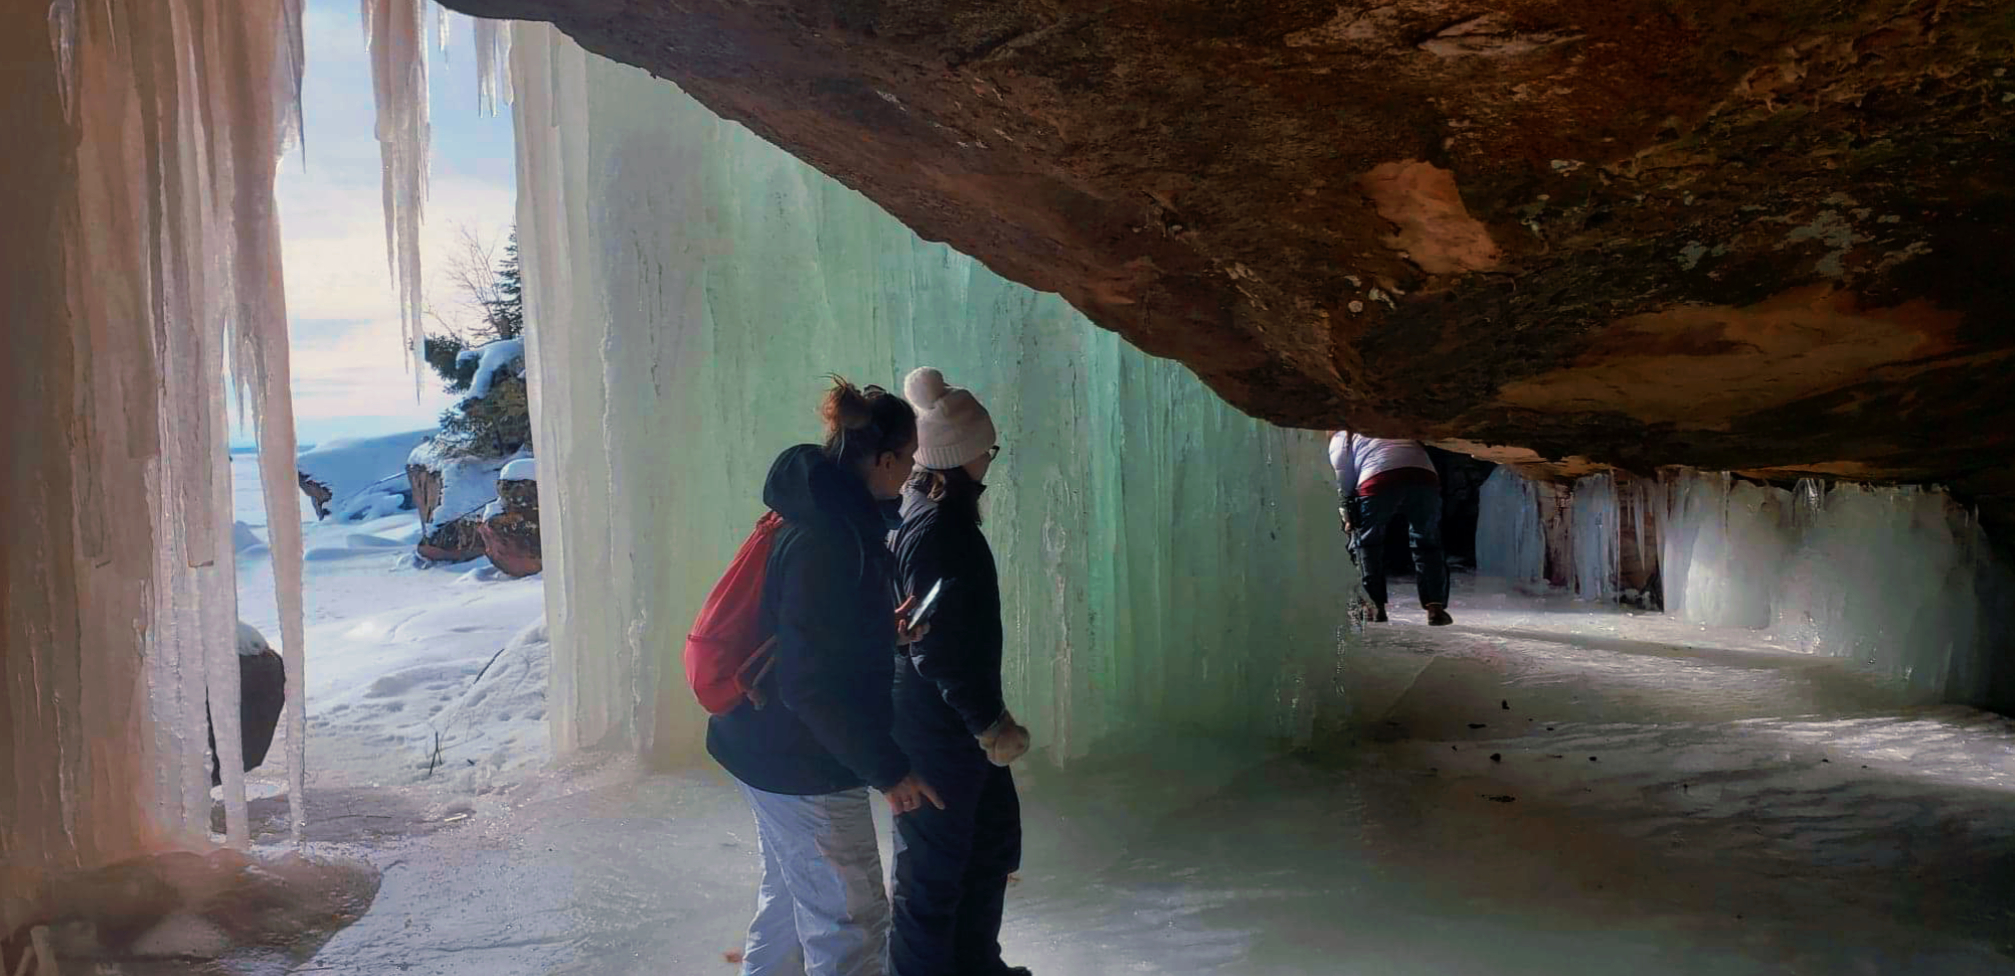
x=143 y=261
x=1745 y=814
x=1902 y=581
x=1509 y=543
x=1597 y=534
x=1164 y=559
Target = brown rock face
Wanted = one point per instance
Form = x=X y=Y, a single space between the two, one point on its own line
x=511 y=537
x=1730 y=234
x=457 y=541
x=317 y=493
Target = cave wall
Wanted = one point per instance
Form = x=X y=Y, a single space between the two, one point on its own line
x=1765 y=237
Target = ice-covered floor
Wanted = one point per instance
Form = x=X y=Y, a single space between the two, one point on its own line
x=1540 y=789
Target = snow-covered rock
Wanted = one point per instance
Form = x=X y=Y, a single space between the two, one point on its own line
x=262 y=694
x=493 y=359
x=523 y=469
x=451 y=494
x=510 y=529
x=359 y=478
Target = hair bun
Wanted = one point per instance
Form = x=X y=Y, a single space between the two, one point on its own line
x=924 y=388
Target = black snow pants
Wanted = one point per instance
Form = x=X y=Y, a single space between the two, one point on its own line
x=952 y=867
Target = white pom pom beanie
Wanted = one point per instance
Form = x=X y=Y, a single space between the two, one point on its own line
x=952 y=427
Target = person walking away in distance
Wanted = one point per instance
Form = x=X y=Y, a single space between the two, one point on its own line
x=805 y=761
x=1383 y=481
x=952 y=864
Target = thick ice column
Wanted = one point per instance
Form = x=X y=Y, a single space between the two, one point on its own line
x=139 y=204
x=1597 y=536
x=1510 y=542
x=1165 y=560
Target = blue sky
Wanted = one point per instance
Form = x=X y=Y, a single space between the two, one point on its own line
x=350 y=375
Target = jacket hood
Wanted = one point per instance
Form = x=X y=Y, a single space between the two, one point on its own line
x=805 y=487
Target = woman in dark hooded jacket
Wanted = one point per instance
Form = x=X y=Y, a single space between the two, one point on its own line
x=953 y=863
x=807 y=758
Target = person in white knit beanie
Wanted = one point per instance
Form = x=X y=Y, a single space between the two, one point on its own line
x=953 y=428
x=953 y=863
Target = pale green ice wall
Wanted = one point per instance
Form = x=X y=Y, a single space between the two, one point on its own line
x=1165 y=560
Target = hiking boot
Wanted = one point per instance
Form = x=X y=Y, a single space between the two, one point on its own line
x=1437 y=616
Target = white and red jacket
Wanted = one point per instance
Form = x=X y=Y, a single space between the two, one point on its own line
x=1368 y=464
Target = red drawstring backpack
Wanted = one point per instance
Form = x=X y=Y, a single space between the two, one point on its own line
x=727 y=653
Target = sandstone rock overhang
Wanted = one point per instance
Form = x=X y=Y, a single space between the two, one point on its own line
x=1726 y=233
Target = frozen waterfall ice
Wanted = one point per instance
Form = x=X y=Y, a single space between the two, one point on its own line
x=1901 y=581
x=1165 y=559
x=143 y=251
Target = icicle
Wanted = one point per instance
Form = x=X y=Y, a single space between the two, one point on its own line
x=1899 y=580
x=442 y=32
x=1596 y=536
x=289 y=66
x=147 y=136
x=395 y=31
x=1510 y=542
x=261 y=365
x=63 y=38
x=493 y=60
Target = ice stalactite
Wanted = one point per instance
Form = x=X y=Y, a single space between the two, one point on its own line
x=396 y=32
x=261 y=364
x=1597 y=537
x=140 y=204
x=1165 y=560
x=1723 y=537
x=493 y=65
x=1902 y=581
x=1510 y=543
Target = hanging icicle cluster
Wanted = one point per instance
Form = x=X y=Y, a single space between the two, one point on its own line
x=396 y=31
x=145 y=249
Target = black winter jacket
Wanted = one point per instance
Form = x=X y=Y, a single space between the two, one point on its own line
x=827 y=596
x=948 y=685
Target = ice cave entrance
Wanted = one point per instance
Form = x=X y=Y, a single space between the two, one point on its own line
x=1686 y=720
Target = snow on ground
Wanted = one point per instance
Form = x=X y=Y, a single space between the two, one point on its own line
x=365 y=475
x=395 y=649
x=1544 y=789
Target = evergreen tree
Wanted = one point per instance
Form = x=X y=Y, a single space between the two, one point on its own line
x=505 y=308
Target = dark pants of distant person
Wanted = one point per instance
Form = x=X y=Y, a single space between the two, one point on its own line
x=952 y=869
x=1420 y=507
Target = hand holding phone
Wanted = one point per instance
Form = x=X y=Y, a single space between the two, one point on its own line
x=913 y=617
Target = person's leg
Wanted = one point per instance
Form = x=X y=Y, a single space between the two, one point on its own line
x=932 y=850
x=1423 y=522
x=1378 y=511
x=996 y=854
x=825 y=846
x=772 y=948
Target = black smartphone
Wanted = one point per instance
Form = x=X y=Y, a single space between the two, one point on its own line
x=929 y=604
